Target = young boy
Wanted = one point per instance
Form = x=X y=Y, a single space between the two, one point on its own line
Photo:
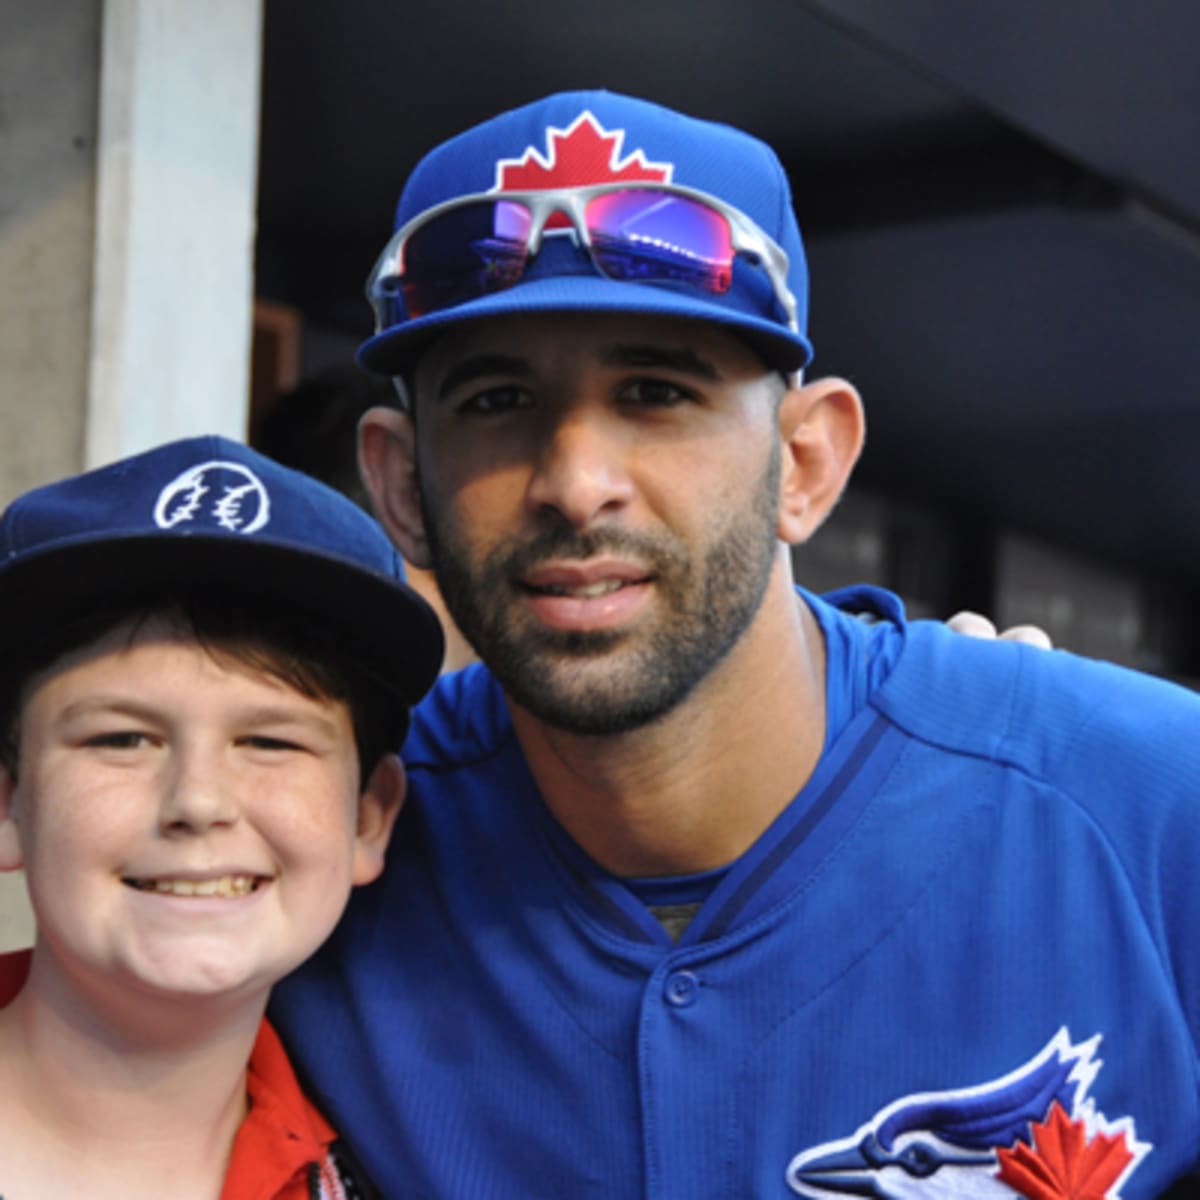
x=206 y=663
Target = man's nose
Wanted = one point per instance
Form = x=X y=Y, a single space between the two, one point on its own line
x=581 y=469
x=196 y=794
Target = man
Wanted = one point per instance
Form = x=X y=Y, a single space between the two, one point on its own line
x=709 y=888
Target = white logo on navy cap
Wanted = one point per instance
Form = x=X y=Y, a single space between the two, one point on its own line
x=225 y=494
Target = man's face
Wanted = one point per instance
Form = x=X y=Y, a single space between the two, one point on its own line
x=600 y=496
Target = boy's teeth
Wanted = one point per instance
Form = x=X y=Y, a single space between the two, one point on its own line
x=226 y=885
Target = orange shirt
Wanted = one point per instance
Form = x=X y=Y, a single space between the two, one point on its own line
x=281 y=1151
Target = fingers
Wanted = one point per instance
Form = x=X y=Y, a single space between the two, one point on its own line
x=1030 y=635
x=972 y=624
x=976 y=625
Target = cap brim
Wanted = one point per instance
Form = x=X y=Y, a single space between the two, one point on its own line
x=393 y=351
x=380 y=623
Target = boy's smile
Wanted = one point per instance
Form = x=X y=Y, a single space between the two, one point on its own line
x=188 y=822
x=224 y=885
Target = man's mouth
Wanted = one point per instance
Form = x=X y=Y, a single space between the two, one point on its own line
x=585 y=591
x=585 y=579
x=223 y=885
x=591 y=595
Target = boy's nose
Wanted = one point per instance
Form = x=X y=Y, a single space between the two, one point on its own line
x=195 y=795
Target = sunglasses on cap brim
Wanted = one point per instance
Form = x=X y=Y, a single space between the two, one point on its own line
x=646 y=233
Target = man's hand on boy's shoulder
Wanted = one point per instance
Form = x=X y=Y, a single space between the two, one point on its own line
x=974 y=624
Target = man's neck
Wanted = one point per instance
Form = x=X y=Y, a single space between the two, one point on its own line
x=696 y=788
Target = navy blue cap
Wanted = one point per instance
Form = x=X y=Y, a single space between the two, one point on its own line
x=576 y=139
x=210 y=515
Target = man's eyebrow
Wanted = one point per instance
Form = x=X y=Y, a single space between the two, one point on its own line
x=478 y=366
x=673 y=358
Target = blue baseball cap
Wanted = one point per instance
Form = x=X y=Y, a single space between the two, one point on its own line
x=210 y=516
x=578 y=139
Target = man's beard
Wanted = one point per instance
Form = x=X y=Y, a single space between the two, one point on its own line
x=608 y=681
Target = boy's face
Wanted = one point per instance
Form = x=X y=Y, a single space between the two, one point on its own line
x=188 y=824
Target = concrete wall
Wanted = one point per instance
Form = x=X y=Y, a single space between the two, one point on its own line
x=47 y=222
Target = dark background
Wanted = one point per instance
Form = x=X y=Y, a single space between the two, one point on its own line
x=1001 y=203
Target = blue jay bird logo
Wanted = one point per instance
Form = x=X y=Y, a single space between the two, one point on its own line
x=1032 y=1133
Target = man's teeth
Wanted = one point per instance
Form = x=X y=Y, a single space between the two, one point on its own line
x=226 y=885
x=587 y=590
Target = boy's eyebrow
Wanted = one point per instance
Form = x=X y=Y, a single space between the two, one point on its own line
x=673 y=358
x=115 y=702
x=268 y=715
x=478 y=366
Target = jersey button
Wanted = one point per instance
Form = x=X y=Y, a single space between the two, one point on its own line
x=681 y=989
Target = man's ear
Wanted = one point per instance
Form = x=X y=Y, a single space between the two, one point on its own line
x=378 y=807
x=11 y=858
x=822 y=428
x=388 y=465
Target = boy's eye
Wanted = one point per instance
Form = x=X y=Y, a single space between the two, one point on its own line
x=119 y=739
x=262 y=741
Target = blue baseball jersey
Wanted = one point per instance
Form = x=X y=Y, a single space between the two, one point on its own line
x=963 y=961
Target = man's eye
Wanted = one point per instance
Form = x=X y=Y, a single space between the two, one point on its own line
x=655 y=393
x=495 y=401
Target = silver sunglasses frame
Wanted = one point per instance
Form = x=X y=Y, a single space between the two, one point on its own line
x=747 y=238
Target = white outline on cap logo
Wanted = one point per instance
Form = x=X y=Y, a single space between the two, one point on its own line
x=180 y=500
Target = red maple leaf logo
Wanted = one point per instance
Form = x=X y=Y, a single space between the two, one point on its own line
x=584 y=153
x=1064 y=1163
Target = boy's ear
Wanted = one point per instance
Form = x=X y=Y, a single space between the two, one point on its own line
x=378 y=807
x=822 y=428
x=387 y=463
x=11 y=858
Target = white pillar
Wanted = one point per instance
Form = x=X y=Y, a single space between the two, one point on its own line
x=176 y=171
